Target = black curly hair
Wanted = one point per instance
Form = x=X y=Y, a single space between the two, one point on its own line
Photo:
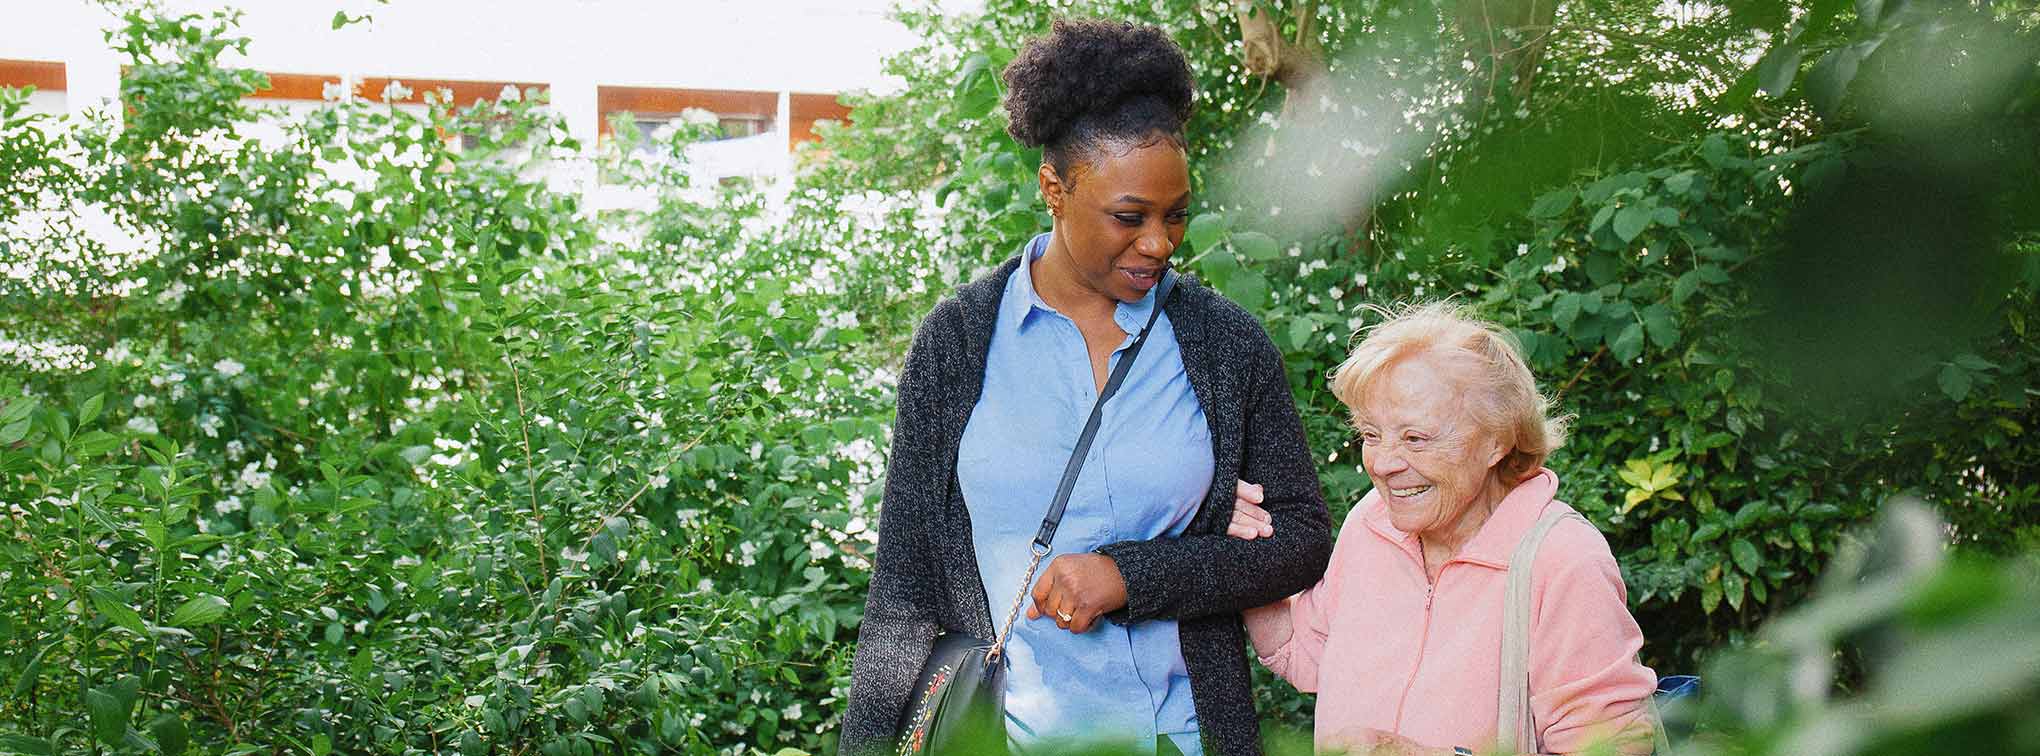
x=1091 y=82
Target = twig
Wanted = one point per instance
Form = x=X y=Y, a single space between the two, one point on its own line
x=531 y=476
x=1583 y=370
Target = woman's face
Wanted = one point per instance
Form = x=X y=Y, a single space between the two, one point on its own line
x=1120 y=215
x=1431 y=461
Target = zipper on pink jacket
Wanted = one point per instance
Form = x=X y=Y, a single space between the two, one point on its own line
x=1423 y=642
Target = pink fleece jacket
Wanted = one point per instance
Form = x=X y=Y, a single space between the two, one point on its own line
x=1384 y=649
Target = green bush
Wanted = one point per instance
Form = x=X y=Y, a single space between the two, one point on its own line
x=358 y=441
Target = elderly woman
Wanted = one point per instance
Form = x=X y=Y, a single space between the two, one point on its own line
x=1132 y=630
x=1402 y=639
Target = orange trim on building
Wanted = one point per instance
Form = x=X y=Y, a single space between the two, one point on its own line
x=465 y=93
x=663 y=101
x=809 y=108
x=43 y=75
x=290 y=86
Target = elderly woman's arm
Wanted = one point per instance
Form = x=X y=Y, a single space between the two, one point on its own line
x=1199 y=575
x=1586 y=685
x=900 y=609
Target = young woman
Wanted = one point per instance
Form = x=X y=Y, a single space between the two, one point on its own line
x=1132 y=633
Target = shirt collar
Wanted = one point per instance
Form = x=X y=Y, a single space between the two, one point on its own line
x=1022 y=300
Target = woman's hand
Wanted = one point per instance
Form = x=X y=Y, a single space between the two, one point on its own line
x=1249 y=520
x=1076 y=589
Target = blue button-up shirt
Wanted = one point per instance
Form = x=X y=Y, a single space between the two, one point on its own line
x=1148 y=471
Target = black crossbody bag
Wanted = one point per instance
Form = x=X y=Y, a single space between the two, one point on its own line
x=958 y=704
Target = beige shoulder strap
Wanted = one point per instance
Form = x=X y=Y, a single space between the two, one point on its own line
x=1515 y=732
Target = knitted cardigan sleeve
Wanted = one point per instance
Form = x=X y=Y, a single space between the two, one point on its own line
x=900 y=610
x=1212 y=573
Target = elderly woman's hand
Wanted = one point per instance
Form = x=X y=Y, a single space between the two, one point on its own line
x=1249 y=520
x=1372 y=742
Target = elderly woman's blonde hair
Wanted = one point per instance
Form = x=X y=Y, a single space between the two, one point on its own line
x=1501 y=394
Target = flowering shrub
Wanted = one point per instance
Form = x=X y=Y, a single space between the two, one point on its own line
x=365 y=438
x=360 y=440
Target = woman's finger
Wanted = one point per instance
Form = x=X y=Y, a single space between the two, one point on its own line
x=1243 y=529
x=1248 y=492
x=1251 y=512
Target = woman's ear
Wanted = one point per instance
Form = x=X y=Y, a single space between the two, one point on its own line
x=1498 y=450
x=1053 y=190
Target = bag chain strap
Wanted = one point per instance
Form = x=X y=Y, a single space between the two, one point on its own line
x=1019 y=599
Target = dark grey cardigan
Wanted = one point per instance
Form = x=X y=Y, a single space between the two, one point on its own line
x=926 y=573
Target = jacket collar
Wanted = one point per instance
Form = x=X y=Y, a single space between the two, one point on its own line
x=981 y=299
x=1496 y=540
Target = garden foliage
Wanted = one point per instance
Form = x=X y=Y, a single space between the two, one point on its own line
x=367 y=438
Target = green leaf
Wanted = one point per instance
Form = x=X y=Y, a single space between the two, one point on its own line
x=119 y=612
x=975 y=68
x=1712 y=274
x=31 y=670
x=1746 y=557
x=1665 y=217
x=1631 y=220
x=1256 y=245
x=1974 y=363
x=1601 y=218
x=26 y=745
x=1679 y=183
x=1205 y=230
x=93 y=444
x=1553 y=203
x=1777 y=69
x=1955 y=382
x=14 y=432
x=18 y=409
x=202 y=609
x=170 y=734
x=91 y=409
x=1247 y=289
x=109 y=718
x=1301 y=329
x=1659 y=324
x=1565 y=310
x=1629 y=344
x=1684 y=288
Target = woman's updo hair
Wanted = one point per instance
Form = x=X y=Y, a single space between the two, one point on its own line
x=1089 y=83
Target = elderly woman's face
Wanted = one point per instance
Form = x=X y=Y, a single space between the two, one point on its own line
x=1122 y=216
x=1431 y=461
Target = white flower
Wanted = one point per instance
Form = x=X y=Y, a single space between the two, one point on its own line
x=509 y=94
x=791 y=712
x=395 y=91
x=210 y=425
x=228 y=368
x=142 y=425
x=750 y=553
x=228 y=505
x=252 y=476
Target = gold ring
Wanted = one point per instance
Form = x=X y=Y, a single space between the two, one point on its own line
x=1064 y=616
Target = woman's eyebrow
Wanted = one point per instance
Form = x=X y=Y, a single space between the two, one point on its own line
x=1135 y=199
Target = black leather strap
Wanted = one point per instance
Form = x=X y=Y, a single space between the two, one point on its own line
x=1046 y=535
